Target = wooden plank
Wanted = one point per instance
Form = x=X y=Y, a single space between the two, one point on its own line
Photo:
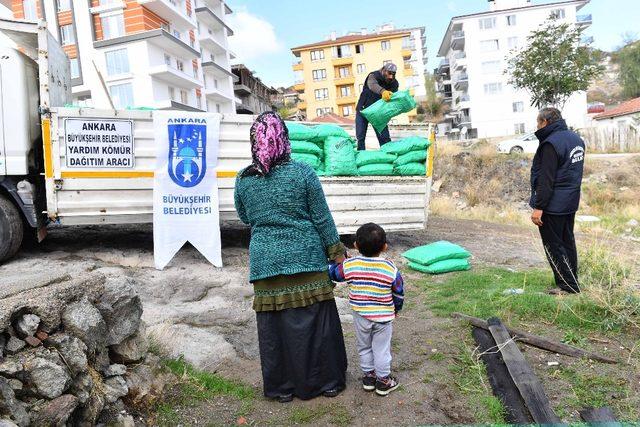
x=538 y=341
x=501 y=382
x=528 y=384
x=601 y=416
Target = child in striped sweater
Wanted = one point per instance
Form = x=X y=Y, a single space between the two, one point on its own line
x=376 y=295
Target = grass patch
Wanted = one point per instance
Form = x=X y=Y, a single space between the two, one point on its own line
x=337 y=415
x=166 y=415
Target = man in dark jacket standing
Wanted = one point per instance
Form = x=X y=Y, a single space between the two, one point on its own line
x=556 y=176
x=379 y=84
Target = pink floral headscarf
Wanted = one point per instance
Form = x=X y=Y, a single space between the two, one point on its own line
x=269 y=144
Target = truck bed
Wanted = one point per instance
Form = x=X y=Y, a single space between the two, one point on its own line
x=108 y=196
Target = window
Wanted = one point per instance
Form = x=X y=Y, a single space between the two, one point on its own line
x=487 y=23
x=217 y=108
x=199 y=101
x=343 y=72
x=317 y=55
x=64 y=5
x=184 y=97
x=195 y=70
x=117 y=62
x=179 y=65
x=345 y=91
x=319 y=74
x=359 y=48
x=319 y=111
x=406 y=43
x=492 y=88
x=489 y=45
x=215 y=83
x=511 y=20
x=67 y=35
x=361 y=68
x=386 y=61
x=385 y=44
x=491 y=67
x=172 y=93
x=557 y=14
x=122 y=95
x=322 y=93
x=347 y=110
x=512 y=42
x=112 y=26
x=343 y=51
x=167 y=59
x=519 y=128
x=30 y=10
x=176 y=34
x=75 y=68
x=518 y=107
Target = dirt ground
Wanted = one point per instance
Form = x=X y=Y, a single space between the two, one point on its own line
x=198 y=309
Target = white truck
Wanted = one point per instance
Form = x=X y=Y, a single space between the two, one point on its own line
x=42 y=181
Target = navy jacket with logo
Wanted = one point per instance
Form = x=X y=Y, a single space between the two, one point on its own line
x=570 y=150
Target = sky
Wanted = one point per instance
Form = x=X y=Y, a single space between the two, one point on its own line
x=266 y=30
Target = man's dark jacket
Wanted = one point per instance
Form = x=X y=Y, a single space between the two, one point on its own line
x=368 y=97
x=569 y=149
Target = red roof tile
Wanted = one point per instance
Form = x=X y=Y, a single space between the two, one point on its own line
x=333 y=118
x=353 y=38
x=629 y=107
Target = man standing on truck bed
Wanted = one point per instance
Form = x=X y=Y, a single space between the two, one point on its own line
x=556 y=177
x=379 y=84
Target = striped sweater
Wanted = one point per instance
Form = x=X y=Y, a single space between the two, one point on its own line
x=375 y=286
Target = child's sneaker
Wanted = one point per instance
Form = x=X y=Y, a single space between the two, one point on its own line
x=386 y=385
x=369 y=381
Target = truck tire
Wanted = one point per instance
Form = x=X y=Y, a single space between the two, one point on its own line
x=11 y=229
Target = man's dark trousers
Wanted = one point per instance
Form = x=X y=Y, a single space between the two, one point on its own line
x=361 y=132
x=560 y=246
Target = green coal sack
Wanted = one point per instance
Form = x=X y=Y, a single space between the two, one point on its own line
x=380 y=113
x=324 y=131
x=446 y=266
x=410 y=169
x=373 y=157
x=305 y=147
x=339 y=157
x=415 y=156
x=406 y=145
x=309 y=159
x=434 y=252
x=376 y=169
x=300 y=132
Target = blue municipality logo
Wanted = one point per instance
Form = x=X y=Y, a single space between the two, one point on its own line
x=187 y=154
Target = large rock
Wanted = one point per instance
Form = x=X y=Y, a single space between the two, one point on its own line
x=14 y=345
x=72 y=350
x=146 y=384
x=121 y=309
x=10 y=406
x=115 y=370
x=27 y=325
x=115 y=388
x=132 y=349
x=46 y=375
x=89 y=412
x=10 y=366
x=85 y=321
x=57 y=411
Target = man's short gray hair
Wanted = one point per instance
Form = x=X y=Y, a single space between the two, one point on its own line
x=550 y=114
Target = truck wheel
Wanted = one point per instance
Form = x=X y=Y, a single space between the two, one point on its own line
x=11 y=229
x=516 y=150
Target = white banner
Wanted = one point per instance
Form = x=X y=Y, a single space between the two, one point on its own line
x=185 y=188
x=99 y=143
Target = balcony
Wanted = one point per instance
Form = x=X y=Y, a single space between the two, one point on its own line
x=457 y=40
x=343 y=100
x=297 y=66
x=217 y=95
x=174 y=76
x=217 y=70
x=460 y=59
x=241 y=89
x=302 y=105
x=211 y=19
x=463 y=120
x=463 y=101
x=406 y=52
x=298 y=87
x=408 y=71
x=447 y=97
x=346 y=80
x=347 y=60
x=211 y=43
x=159 y=37
x=172 y=12
x=584 y=20
x=444 y=65
x=461 y=81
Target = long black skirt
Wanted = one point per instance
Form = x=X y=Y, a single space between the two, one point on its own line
x=302 y=350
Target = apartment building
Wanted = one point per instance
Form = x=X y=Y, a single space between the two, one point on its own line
x=330 y=74
x=255 y=97
x=471 y=74
x=142 y=53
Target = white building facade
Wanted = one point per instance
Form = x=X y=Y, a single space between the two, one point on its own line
x=145 y=53
x=471 y=74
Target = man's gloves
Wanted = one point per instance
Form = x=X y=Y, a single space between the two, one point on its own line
x=386 y=95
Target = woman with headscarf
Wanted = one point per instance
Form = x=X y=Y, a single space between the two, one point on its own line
x=293 y=236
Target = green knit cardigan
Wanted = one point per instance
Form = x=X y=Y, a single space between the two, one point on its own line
x=291 y=225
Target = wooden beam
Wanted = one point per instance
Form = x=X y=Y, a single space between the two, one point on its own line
x=528 y=384
x=603 y=417
x=538 y=341
x=501 y=382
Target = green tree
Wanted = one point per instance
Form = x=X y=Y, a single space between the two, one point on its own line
x=433 y=107
x=628 y=59
x=553 y=65
x=284 y=112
